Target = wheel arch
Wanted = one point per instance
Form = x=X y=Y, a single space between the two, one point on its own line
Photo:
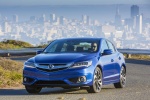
x=100 y=69
x=123 y=65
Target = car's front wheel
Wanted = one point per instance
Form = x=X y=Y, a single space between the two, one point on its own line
x=122 y=82
x=97 y=81
x=32 y=89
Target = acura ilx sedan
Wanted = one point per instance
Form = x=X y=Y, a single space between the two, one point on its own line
x=86 y=63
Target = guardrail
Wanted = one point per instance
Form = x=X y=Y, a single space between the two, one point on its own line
x=135 y=51
x=32 y=51
x=129 y=52
x=19 y=52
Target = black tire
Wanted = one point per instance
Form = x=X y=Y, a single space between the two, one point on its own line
x=97 y=82
x=32 y=89
x=122 y=82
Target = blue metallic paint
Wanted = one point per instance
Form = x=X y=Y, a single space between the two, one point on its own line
x=110 y=69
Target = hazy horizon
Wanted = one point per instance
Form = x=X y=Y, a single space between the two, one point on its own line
x=36 y=24
x=71 y=2
x=99 y=12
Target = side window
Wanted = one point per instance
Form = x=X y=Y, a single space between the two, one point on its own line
x=111 y=46
x=64 y=48
x=104 y=46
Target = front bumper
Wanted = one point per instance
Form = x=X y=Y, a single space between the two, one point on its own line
x=63 y=78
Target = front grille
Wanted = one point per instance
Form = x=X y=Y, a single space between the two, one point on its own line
x=56 y=67
x=50 y=83
x=52 y=70
x=53 y=64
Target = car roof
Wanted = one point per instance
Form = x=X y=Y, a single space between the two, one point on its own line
x=80 y=38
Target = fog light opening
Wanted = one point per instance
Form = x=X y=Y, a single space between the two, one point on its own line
x=24 y=79
x=28 y=80
x=81 y=79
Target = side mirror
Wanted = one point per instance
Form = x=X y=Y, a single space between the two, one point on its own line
x=107 y=52
x=39 y=51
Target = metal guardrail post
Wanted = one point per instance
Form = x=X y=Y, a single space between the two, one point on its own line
x=128 y=55
x=8 y=54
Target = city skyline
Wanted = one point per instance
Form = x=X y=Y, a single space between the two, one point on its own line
x=121 y=30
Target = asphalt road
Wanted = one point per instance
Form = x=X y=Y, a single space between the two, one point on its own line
x=137 y=88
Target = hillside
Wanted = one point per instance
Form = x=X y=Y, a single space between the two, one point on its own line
x=14 y=44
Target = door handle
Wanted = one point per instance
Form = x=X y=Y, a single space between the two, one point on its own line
x=112 y=60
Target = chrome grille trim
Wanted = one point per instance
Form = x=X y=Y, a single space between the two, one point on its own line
x=56 y=67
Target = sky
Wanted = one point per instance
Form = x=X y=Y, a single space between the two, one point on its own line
x=70 y=2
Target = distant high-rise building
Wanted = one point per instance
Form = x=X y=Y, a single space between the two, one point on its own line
x=5 y=27
x=117 y=17
x=86 y=19
x=134 y=22
x=139 y=23
x=58 y=20
x=62 y=20
x=42 y=18
x=52 y=17
x=134 y=10
x=15 y=18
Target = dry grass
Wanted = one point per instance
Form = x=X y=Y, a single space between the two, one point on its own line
x=142 y=57
x=138 y=56
x=14 y=44
x=10 y=73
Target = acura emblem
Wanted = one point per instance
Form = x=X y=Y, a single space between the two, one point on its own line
x=51 y=66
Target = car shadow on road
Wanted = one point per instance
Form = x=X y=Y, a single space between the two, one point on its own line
x=64 y=91
x=45 y=91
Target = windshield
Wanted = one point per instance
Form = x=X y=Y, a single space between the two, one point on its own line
x=73 y=46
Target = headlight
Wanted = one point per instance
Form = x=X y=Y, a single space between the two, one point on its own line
x=81 y=64
x=29 y=64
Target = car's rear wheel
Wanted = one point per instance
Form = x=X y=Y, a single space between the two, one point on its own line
x=122 y=82
x=97 y=82
x=33 y=89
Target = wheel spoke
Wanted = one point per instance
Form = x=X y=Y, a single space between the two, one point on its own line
x=123 y=76
x=97 y=85
x=97 y=82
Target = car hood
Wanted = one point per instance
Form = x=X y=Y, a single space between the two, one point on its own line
x=63 y=57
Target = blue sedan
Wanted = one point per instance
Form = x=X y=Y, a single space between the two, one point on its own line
x=87 y=63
